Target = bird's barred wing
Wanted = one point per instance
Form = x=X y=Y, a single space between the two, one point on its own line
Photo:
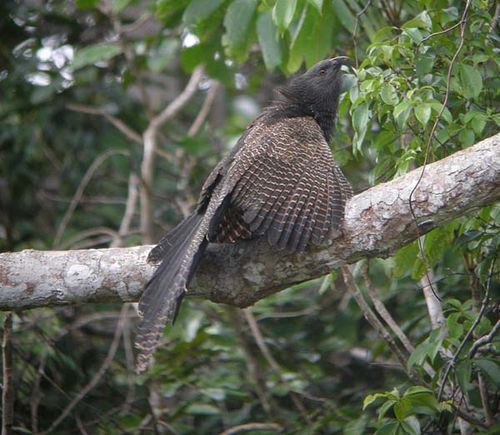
x=292 y=202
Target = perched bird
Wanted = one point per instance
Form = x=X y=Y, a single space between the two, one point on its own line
x=279 y=183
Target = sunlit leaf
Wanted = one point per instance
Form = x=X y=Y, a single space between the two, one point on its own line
x=199 y=10
x=283 y=13
x=239 y=16
x=268 y=39
x=471 y=81
x=95 y=53
x=423 y=113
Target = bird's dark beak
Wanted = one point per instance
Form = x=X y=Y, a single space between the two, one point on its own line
x=341 y=60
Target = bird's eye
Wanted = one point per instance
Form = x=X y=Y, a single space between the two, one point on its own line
x=322 y=71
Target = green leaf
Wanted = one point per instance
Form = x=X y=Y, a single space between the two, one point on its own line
x=490 y=368
x=424 y=65
x=86 y=4
x=423 y=113
x=414 y=34
x=202 y=409
x=401 y=113
x=463 y=372
x=360 y=117
x=467 y=137
x=385 y=408
x=237 y=22
x=427 y=349
x=373 y=397
x=199 y=10
x=312 y=38
x=388 y=94
x=270 y=46
x=411 y=426
x=405 y=259
x=163 y=55
x=318 y=4
x=402 y=409
x=170 y=12
x=283 y=13
x=471 y=82
x=390 y=428
x=421 y=21
x=437 y=242
x=119 y=5
x=95 y=53
x=345 y=16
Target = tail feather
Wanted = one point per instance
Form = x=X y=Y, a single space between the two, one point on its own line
x=163 y=294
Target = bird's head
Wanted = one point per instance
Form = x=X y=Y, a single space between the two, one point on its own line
x=316 y=92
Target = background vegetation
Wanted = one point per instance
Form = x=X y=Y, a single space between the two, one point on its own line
x=84 y=84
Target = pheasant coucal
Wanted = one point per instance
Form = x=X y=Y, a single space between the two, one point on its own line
x=279 y=183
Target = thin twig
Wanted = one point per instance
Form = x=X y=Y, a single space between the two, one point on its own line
x=116 y=122
x=384 y=313
x=372 y=318
x=132 y=196
x=355 y=31
x=252 y=426
x=150 y=142
x=86 y=234
x=485 y=339
x=463 y=23
x=79 y=192
x=483 y=392
x=205 y=108
x=97 y=377
x=137 y=24
x=454 y=360
x=8 y=393
x=259 y=339
x=251 y=362
x=35 y=395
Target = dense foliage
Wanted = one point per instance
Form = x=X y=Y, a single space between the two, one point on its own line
x=80 y=83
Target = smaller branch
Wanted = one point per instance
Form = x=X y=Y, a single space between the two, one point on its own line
x=441 y=32
x=454 y=360
x=205 y=108
x=251 y=362
x=150 y=138
x=384 y=313
x=483 y=391
x=432 y=301
x=86 y=234
x=8 y=393
x=96 y=379
x=35 y=395
x=136 y=25
x=259 y=339
x=485 y=339
x=252 y=426
x=355 y=31
x=372 y=318
x=132 y=196
x=116 y=122
x=79 y=192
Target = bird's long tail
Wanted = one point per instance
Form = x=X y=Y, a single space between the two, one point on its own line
x=179 y=252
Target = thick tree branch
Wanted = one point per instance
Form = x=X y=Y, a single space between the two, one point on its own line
x=378 y=222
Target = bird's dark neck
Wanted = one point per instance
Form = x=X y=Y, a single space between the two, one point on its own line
x=323 y=110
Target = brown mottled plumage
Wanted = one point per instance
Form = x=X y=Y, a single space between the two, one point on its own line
x=280 y=183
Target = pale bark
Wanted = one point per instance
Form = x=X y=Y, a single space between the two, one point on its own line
x=378 y=222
